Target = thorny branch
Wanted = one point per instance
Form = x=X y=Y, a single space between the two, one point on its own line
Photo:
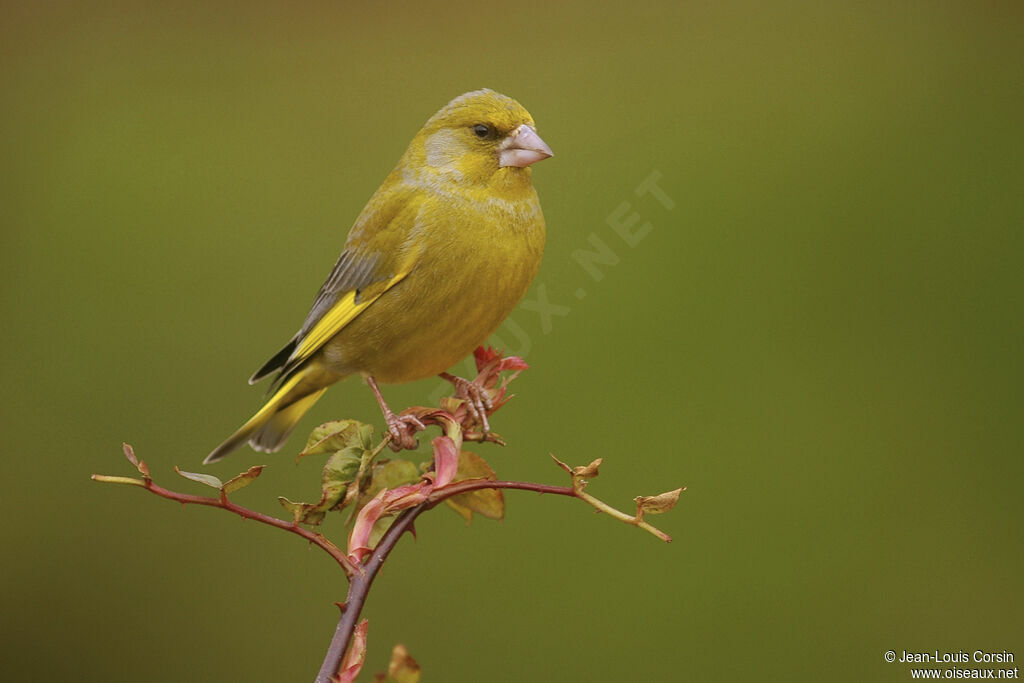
x=363 y=558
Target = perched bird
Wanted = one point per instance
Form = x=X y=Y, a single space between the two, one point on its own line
x=438 y=258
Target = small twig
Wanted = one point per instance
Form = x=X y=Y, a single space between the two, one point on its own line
x=573 y=492
x=224 y=503
x=601 y=506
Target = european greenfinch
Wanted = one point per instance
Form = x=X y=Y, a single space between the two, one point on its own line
x=438 y=258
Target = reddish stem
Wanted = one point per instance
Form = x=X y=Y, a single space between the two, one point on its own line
x=225 y=503
x=458 y=487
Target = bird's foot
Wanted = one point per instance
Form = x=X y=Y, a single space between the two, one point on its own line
x=478 y=401
x=401 y=429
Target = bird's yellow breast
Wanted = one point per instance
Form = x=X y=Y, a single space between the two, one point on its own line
x=475 y=258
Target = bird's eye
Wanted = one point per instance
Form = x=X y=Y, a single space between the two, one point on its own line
x=481 y=130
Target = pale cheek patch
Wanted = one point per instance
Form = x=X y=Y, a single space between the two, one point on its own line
x=442 y=149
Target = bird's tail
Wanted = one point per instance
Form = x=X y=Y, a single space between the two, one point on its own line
x=268 y=429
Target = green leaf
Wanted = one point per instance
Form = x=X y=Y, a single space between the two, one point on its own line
x=301 y=512
x=339 y=472
x=347 y=441
x=343 y=466
x=207 y=479
x=488 y=502
x=243 y=479
x=391 y=475
x=312 y=515
x=338 y=435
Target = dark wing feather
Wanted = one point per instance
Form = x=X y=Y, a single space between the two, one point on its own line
x=354 y=270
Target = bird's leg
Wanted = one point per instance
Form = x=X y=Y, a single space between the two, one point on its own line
x=400 y=427
x=478 y=402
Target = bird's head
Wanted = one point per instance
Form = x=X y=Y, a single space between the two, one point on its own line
x=479 y=138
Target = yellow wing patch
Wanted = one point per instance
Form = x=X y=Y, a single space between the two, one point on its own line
x=339 y=315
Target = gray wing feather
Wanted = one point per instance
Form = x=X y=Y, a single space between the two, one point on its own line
x=353 y=271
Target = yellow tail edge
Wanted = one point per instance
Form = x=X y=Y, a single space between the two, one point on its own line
x=268 y=429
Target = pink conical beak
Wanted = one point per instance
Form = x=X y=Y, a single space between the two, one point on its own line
x=523 y=147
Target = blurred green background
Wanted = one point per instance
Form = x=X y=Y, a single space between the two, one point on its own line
x=821 y=337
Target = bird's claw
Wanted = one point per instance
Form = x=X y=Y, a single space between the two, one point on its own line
x=478 y=400
x=401 y=429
